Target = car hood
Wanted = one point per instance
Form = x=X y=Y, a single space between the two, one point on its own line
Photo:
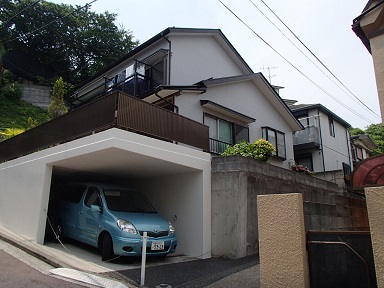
x=145 y=221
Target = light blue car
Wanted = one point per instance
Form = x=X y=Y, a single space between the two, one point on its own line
x=113 y=219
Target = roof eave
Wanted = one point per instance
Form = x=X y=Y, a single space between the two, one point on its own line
x=325 y=110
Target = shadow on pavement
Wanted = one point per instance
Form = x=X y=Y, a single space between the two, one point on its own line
x=196 y=273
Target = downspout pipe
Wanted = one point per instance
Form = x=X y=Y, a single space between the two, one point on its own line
x=349 y=147
x=169 y=58
x=321 y=141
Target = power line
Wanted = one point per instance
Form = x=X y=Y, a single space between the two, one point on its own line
x=17 y=14
x=297 y=69
x=309 y=50
x=66 y=15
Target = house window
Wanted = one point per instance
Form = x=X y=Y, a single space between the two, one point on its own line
x=331 y=126
x=220 y=133
x=223 y=133
x=359 y=153
x=277 y=139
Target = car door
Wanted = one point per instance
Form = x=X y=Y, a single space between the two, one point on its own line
x=90 y=221
x=70 y=209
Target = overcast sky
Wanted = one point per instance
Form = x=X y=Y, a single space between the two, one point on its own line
x=323 y=26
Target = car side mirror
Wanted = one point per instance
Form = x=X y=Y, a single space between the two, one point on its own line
x=95 y=208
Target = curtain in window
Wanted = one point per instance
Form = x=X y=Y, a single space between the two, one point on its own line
x=225 y=131
x=212 y=127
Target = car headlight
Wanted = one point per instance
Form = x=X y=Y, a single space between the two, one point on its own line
x=126 y=226
x=171 y=228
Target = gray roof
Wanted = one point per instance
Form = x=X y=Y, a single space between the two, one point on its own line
x=266 y=88
x=160 y=36
x=306 y=107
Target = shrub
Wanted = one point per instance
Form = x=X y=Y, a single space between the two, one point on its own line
x=260 y=150
x=10 y=132
x=302 y=169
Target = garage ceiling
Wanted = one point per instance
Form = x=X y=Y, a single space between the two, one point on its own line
x=119 y=163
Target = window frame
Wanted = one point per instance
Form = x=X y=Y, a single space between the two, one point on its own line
x=236 y=130
x=331 y=125
x=265 y=132
x=217 y=119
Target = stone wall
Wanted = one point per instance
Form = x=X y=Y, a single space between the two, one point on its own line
x=336 y=176
x=236 y=182
x=36 y=95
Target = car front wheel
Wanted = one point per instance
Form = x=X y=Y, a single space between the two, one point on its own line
x=107 y=248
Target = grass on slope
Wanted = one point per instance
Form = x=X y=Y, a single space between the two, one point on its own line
x=15 y=113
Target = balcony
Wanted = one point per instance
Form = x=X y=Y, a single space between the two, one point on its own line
x=114 y=110
x=308 y=138
x=217 y=146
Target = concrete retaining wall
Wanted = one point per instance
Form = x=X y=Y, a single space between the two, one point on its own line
x=336 y=176
x=36 y=95
x=236 y=182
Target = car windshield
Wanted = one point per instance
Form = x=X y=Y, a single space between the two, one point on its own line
x=127 y=201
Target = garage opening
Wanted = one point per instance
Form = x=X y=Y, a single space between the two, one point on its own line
x=175 y=191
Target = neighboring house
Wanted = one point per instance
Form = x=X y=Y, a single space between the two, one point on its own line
x=324 y=145
x=198 y=74
x=362 y=147
x=368 y=26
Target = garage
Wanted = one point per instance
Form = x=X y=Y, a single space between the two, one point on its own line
x=175 y=178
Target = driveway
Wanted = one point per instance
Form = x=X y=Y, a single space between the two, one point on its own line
x=173 y=270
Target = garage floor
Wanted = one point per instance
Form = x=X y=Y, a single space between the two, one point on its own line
x=93 y=256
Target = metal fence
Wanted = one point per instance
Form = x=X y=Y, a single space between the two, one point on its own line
x=340 y=259
x=113 y=110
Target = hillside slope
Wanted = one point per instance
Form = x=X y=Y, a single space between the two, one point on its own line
x=15 y=114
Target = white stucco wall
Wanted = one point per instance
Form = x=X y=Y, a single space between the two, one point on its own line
x=335 y=150
x=178 y=199
x=25 y=188
x=243 y=97
x=198 y=58
x=24 y=196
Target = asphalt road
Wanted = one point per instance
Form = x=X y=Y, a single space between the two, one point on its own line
x=16 y=274
x=196 y=273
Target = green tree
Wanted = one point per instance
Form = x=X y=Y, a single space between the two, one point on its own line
x=57 y=106
x=376 y=132
x=73 y=40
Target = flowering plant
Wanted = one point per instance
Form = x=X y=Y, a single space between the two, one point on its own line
x=302 y=169
x=260 y=150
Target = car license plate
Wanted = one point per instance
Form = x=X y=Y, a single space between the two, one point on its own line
x=157 y=246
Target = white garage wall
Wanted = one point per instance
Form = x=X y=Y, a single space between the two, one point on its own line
x=24 y=197
x=182 y=197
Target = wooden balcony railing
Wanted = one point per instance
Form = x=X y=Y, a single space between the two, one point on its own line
x=114 y=110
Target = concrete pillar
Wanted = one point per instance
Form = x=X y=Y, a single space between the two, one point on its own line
x=283 y=257
x=375 y=205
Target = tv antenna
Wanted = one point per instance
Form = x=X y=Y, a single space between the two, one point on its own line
x=268 y=69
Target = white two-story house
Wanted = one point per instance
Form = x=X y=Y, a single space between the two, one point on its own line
x=200 y=75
